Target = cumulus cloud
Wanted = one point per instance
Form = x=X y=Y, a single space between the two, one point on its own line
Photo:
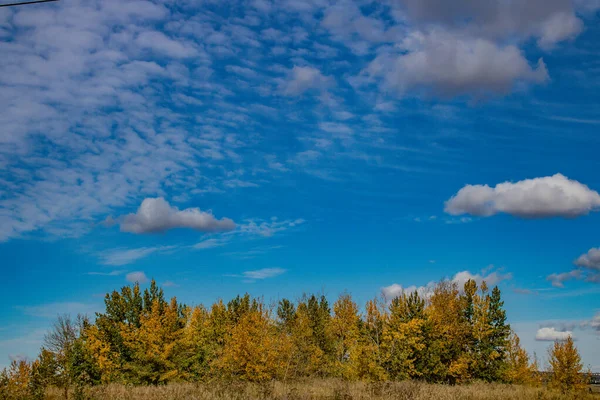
x=136 y=277
x=301 y=79
x=551 y=196
x=157 y=215
x=395 y=290
x=449 y=65
x=590 y=260
x=558 y=280
x=491 y=279
x=550 y=334
x=550 y=21
x=587 y=269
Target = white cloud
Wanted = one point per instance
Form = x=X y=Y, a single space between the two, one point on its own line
x=590 y=260
x=551 y=196
x=450 y=65
x=550 y=21
x=491 y=279
x=560 y=26
x=595 y=322
x=124 y=256
x=160 y=43
x=238 y=183
x=588 y=269
x=395 y=290
x=264 y=273
x=268 y=228
x=211 y=243
x=157 y=215
x=248 y=254
x=301 y=79
x=137 y=277
x=550 y=334
x=111 y=273
x=558 y=280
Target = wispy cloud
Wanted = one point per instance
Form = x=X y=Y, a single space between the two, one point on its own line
x=259 y=274
x=124 y=256
x=252 y=253
x=116 y=272
x=211 y=243
x=51 y=310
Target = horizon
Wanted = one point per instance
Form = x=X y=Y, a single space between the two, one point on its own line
x=280 y=147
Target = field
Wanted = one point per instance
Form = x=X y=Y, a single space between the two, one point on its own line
x=321 y=390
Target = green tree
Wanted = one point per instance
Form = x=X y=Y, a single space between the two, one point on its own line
x=286 y=314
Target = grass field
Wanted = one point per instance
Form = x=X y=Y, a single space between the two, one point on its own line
x=322 y=389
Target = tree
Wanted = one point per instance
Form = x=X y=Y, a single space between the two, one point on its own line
x=15 y=382
x=449 y=333
x=43 y=373
x=254 y=351
x=60 y=341
x=193 y=352
x=153 y=344
x=344 y=328
x=403 y=336
x=307 y=356
x=519 y=370
x=286 y=313
x=371 y=342
x=496 y=342
x=566 y=367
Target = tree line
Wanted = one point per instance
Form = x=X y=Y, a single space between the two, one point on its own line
x=451 y=335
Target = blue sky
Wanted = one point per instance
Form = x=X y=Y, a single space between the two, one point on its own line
x=283 y=147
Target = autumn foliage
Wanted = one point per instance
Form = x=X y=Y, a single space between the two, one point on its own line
x=451 y=335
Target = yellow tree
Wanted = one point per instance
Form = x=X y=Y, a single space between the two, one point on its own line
x=344 y=328
x=254 y=352
x=370 y=360
x=307 y=357
x=15 y=382
x=449 y=330
x=107 y=360
x=519 y=370
x=153 y=344
x=566 y=367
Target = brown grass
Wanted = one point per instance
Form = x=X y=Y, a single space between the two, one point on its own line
x=328 y=389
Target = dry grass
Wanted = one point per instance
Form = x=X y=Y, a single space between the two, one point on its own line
x=329 y=389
